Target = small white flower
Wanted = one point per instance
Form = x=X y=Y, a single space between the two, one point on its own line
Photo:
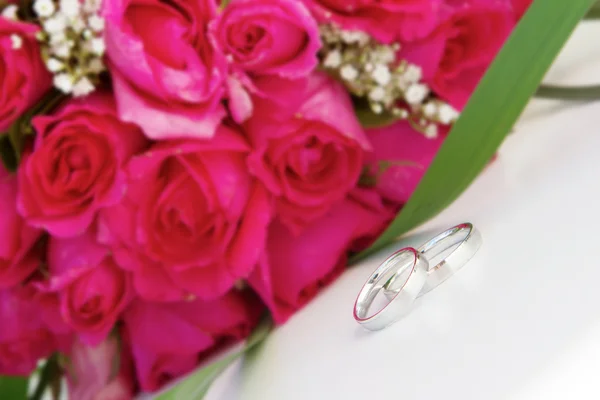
x=44 y=8
x=369 y=67
x=56 y=24
x=416 y=93
x=62 y=50
x=381 y=74
x=10 y=12
x=377 y=108
x=83 y=87
x=447 y=114
x=333 y=59
x=431 y=132
x=16 y=41
x=70 y=8
x=91 y=6
x=96 y=66
x=413 y=73
x=377 y=93
x=348 y=72
x=77 y=24
x=354 y=37
x=54 y=65
x=97 y=46
x=57 y=38
x=386 y=55
x=430 y=109
x=96 y=23
x=64 y=83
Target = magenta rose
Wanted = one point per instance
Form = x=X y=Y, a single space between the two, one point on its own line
x=92 y=376
x=23 y=76
x=269 y=37
x=520 y=7
x=168 y=78
x=18 y=256
x=310 y=153
x=168 y=340
x=399 y=159
x=194 y=220
x=76 y=166
x=24 y=338
x=266 y=37
x=456 y=55
x=92 y=290
x=386 y=20
x=295 y=268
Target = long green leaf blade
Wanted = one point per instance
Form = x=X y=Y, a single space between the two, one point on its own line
x=491 y=112
x=13 y=388
x=196 y=386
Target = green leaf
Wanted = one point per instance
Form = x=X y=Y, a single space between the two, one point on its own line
x=196 y=386
x=13 y=388
x=491 y=112
x=368 y=119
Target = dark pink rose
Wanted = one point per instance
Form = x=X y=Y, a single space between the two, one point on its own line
x=94 y=375
x=295 y=268
x=168 y=339
x=24 y=338
x=269 y=37
x=308 y=154
x=520 y=7
x=456 y=55
x=18 y=257
x=76 y=166
x=92 y=290
x=23 y=76
x=399 y=160
x=194 y=220
x=168 y=78
x=386 y=20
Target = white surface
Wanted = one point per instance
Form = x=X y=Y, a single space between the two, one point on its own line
x=521 y=321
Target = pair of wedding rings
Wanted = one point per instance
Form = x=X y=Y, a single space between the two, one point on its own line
x=406 y=275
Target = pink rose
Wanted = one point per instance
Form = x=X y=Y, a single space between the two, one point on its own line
x=92 y=290
x=168 y=78
x=168 y=339
x=295 y=268
x=404 y=154
x=309 y=154
x=24 y=338
x=23 y=76
x=457 y=54
x=386 y=20
x=75 y=167
x=18 y=258
x=520 y=7
x=92 y=374
x=193 y=222
x=269 y=37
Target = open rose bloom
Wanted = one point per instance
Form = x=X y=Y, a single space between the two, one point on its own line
x=198 y=165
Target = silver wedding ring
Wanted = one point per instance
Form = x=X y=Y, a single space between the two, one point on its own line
x=408 y=274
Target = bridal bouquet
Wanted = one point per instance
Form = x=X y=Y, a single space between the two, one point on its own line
x=175 y=169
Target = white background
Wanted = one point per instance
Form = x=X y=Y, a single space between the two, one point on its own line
x=521 y=321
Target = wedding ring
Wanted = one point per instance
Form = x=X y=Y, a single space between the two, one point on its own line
x=406 y=262
x=467 y=241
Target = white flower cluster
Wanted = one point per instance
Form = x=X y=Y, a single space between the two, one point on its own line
x=370 y=70
x=72 y=43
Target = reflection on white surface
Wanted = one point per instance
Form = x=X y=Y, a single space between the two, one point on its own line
x=521 y=321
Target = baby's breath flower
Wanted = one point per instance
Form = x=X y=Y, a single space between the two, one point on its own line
x=56 y=24
x=416 y=93
x=70 y=8
x=54 y=65
x=381 y=74
x=348 y=72
x=447 y=114
x=16 y=41
x=44 y=8
x=377 y=94
x=431 y=131
x=333 y=59
x=413 y=73
x=97 y=46
x=96 y=23
x=430 y=109
x=62 y=50
x=63 y=82
x=10 y=12
x=83 y=87
x=91 y=6
x=96 y=66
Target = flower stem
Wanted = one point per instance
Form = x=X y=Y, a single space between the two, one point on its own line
x=48 y=376
x=571 y=93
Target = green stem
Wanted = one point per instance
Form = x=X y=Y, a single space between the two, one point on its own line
x=48 y=376
x=572 y=93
